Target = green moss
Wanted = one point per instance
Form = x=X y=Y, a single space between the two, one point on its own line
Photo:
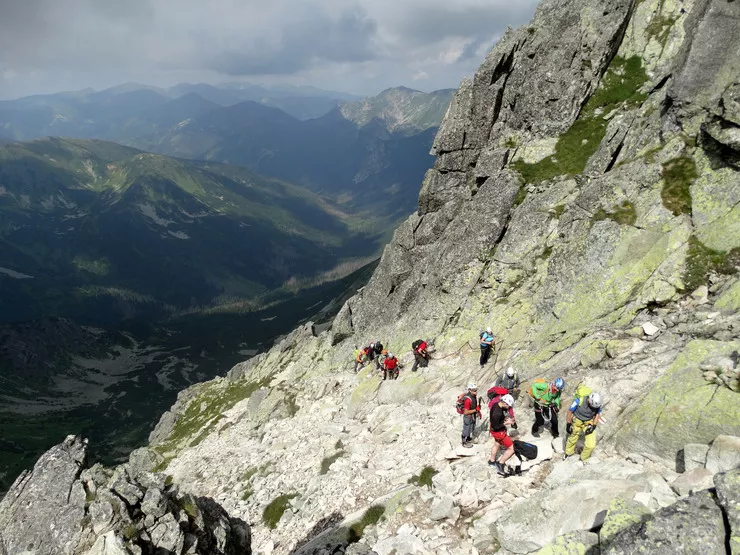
x=424 y=478
x=558 y=210
x=291 y=404
x=275 y=509
x=328 y=461
x=169 y=480
x=619 y=87
x=520 y=196
x=678 y=175
x=370 y=517
x=660 y=28
x=511 y=142
x=623 y=215
x=339 y=444
x=701 y=261
x=129 y=532
x=247 y=493
x=205 y=411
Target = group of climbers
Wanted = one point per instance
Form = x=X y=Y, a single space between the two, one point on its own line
x=385 y=362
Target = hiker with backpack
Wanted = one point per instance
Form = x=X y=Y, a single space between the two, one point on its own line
x=486 y=345
x=494 y=396
x=583 y=417
x=390 y=367
x=377 y=349
x=499 y=419
x=546 y=397
x=360 y=358
x=510 y=381
x=421 y=357
x=469 y=407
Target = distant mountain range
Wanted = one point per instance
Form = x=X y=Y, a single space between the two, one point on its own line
x=101 y=233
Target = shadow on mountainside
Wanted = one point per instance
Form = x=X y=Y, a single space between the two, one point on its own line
x=325 y=524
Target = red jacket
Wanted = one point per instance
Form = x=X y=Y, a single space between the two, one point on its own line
x=421 y=348
x=390 y=363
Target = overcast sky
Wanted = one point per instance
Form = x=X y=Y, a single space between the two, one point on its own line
x=360 y=46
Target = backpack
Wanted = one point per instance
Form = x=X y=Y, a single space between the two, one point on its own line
x=525 y=450
x=460 y=405
x=494 y=395
x=538 y=380
x=415 y=344
x=582 y=392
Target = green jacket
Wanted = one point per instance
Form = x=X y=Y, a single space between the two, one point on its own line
x=543 y=395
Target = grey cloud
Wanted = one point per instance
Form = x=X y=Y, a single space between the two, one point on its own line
x=319 y=39
x=353 y=44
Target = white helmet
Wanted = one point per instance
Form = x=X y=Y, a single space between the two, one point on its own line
x=595 y=400
x=510 y=372
x=390 y=355
x=508 y=399
x=472 y=385
x=489 y=330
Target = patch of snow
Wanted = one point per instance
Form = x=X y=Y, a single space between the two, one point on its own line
x=150 y=212
x=270 y=319
x=14 y=274
x=179 y=234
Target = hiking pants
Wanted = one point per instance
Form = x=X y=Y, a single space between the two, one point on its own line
x=468 y=426
x=419 y=360
x=539 y=418
x=579 y=427
x=485 y=352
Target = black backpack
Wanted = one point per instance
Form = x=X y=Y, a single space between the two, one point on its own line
x=525 y=450
x=416 y=343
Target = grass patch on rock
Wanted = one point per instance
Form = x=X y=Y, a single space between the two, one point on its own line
x=206 y=410
x=619 y=87
x=624 y=214
x=701 y=261
x=660 y=28
x=275 y=509
x=328 y=461
x=424 y=478
x=370 y=517
x=678 y=175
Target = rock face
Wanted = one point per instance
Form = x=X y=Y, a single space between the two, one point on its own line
x=62 y=508
x=584 y=202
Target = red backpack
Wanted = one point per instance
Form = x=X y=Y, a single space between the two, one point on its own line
x=495 y=394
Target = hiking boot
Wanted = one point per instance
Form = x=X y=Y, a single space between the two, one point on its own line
x=491 y=463
x=500 y=468
x=467 y=445
x=536 y=434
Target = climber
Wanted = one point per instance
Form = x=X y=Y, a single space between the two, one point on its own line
x=377 y=351
x=421 y=357
x=546 y=398
x=486 y=345
x=390 y=367
x=509 y=380
x=471 y=412
x=582 y=418
x=499 y=419
x=361 y=357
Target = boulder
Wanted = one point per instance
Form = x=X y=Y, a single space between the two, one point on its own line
x=443 y=507
x=166 y=534
x=43 y=510
x=573 y=543
x=533 y=523
x=622 y=513
x=694 y=456
x=669 y=417
x=696 y=479
x=727 y=486
x=109 y=544
x=402 y=544
x=691 y=525
x=724 y=454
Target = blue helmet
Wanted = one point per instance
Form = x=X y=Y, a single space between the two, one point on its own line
x=559 y=384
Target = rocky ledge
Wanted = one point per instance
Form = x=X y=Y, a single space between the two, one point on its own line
x=63 y=508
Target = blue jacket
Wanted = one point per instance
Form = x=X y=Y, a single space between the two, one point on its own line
x=485 y=336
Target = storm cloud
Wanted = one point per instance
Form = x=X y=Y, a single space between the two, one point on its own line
x=357 y=45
